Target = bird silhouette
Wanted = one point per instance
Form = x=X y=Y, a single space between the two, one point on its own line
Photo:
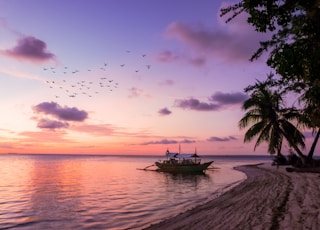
x=94 y=83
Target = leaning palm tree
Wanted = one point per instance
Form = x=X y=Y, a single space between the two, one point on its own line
x=270 y=121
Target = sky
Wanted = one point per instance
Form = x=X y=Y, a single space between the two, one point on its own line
x=124 y=77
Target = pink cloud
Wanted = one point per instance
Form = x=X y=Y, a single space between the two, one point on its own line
x=230 y=46
x=233 y=41
x=97 y=130
x=44 y=137
x=51 y=124
x=7 y=146
x=30 y=49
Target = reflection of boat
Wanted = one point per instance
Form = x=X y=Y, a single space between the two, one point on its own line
x=182 y=163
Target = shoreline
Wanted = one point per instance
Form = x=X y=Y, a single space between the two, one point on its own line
x=270 y=198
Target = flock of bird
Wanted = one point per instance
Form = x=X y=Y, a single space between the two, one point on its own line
x=68 y=82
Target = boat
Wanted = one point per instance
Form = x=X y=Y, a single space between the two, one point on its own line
x=182 y=163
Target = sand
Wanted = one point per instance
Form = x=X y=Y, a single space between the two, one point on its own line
x=270 y=198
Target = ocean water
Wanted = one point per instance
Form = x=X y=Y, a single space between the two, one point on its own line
x=104 y=192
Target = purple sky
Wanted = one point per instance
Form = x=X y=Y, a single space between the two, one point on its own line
x=124 y=77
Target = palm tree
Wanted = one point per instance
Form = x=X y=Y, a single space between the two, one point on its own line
x=271 y=122
x=311 y=112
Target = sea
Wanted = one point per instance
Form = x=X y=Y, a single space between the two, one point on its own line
x=41 y=191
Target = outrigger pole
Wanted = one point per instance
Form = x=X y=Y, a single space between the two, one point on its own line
x=147 y=167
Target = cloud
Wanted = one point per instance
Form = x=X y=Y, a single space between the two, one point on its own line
x=209 y=42
x=166 y=56
x=198 y=62
x=164 y=111
x=234 y=41
x=195 y=104
x=161 y=142
x=135 y=92
x=51 y=124
x=97 y=130
x=9 y=70
x=221 y=139
x=167 y=142
x=43 y=137
x=7 y=146
x=187 y=141
x=4 y=25
x=229 y=98
x=62 y=113
x=31 y=49
x=216 y=102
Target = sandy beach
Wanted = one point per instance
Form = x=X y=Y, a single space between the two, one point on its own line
x=270 y=198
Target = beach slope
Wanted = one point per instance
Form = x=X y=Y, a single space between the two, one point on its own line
x=270 y=198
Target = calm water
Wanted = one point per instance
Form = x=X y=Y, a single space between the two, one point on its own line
x=102 y=192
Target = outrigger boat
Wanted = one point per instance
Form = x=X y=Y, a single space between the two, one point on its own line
x=182 y=163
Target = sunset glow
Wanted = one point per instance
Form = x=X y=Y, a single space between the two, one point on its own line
x=124 y=77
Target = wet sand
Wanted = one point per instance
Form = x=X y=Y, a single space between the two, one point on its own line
x=270 y=198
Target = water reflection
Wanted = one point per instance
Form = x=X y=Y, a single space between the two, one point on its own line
x=100 y=192
x=14 y=195
x=55 y=187
x=192 y=180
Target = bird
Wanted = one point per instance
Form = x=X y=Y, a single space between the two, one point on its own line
x=75 y=87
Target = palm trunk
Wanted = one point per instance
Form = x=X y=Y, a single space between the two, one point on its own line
x=314 y=144
x=295 y=147
x=298 y=151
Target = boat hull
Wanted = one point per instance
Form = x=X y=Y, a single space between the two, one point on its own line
x=183 y=168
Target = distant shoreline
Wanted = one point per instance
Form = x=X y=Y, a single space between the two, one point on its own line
x=270 y=198
x=137 y=155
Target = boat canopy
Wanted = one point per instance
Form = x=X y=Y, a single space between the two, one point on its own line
x=171 y=155
x=181 y=156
